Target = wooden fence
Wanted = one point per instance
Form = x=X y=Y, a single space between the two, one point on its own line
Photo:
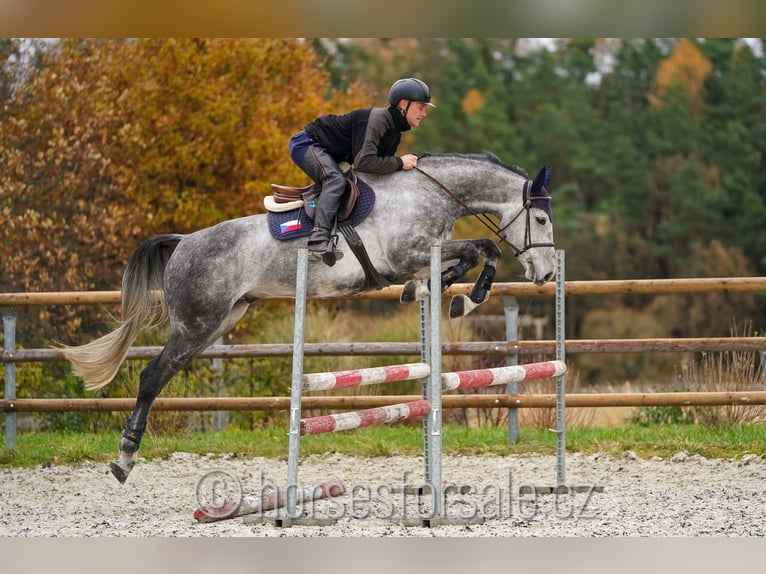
x=11 y=355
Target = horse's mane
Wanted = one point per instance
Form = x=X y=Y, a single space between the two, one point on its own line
x=539 y=197
x=487 y=156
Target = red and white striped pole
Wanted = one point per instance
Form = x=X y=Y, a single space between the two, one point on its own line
x=502 y=375
x=268 y=500
x=354 y=378
x=357 y=419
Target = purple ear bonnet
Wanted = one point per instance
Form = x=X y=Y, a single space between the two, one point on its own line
x=538 y=194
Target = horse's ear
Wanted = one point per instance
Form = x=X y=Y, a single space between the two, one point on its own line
x=542 y=179
x=539 y=181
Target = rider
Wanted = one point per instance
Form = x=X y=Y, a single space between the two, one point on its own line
x=367 y=138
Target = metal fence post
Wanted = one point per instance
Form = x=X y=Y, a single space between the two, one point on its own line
x=301 y=288
x=9 y=346
x=220 y=418
x=425 y=356
x=561 y=441
x=511 y=311
x=435 y=386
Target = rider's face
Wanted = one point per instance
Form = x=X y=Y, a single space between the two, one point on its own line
x=416 y=113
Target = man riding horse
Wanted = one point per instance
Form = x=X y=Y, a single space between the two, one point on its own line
x=367 y=138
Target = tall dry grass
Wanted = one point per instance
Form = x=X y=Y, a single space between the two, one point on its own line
x=728 y=371
x=546 y=418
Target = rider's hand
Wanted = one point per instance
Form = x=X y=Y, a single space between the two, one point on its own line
x=409 y=160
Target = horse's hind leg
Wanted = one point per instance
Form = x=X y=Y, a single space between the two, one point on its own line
x=181 y=348
x=153 y=378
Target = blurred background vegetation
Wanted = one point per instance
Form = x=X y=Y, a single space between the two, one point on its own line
x=658 y=148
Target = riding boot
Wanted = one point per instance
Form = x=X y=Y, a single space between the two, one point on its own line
x=322 y=167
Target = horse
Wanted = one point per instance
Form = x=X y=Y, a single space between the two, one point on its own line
x=210 y=277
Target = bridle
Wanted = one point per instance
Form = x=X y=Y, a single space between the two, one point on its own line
x=495 y=228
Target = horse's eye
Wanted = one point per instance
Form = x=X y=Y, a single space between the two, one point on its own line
x=541 y=220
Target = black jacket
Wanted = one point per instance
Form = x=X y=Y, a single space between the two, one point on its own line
x=367 y=138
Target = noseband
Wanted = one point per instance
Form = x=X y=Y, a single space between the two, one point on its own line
x=492 y=226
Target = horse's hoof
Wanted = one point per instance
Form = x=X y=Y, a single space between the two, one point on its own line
x=408 y=292
x=457 y=306
x=120 y=473
x=414 y=290
x=478 y=296
x=460 y=306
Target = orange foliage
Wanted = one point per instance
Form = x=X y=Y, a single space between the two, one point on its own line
x=472 y=102
x=686 y=66
x=111 y=141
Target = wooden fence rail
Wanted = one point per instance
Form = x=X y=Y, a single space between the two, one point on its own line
x=367 y=402
x=474 y=348
x=614 y=287
x=502 y=348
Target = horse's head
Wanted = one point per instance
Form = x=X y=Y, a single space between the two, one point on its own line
x=483 y=184
x=529 y=230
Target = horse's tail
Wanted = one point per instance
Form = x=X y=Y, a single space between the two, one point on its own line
x=143 y=305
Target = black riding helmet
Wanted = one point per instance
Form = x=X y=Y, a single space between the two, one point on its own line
x=410 y=89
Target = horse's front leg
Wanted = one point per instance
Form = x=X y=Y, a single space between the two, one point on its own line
x=461 y=305
x=468 y=253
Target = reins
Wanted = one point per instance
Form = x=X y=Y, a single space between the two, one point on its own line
x=494 y=227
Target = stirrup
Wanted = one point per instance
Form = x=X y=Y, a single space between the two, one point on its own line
x=332 y=256
x=329 y=256
x=326 y=250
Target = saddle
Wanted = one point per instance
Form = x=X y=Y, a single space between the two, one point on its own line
x=286 y=198
x=290 y=214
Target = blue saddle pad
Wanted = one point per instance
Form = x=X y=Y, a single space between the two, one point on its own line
x=295 y=223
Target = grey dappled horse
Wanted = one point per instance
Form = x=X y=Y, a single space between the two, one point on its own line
x=211 y=276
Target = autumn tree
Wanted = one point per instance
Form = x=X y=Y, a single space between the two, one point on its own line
x=686 y=67
x=657 y=144
x=111 y=141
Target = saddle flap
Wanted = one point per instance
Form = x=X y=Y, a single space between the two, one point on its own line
x=351 y=197
x=286 y=193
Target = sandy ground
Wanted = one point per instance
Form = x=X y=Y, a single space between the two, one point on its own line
x=685 y=495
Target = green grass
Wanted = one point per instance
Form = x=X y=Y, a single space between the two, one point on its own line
x=36 y=448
